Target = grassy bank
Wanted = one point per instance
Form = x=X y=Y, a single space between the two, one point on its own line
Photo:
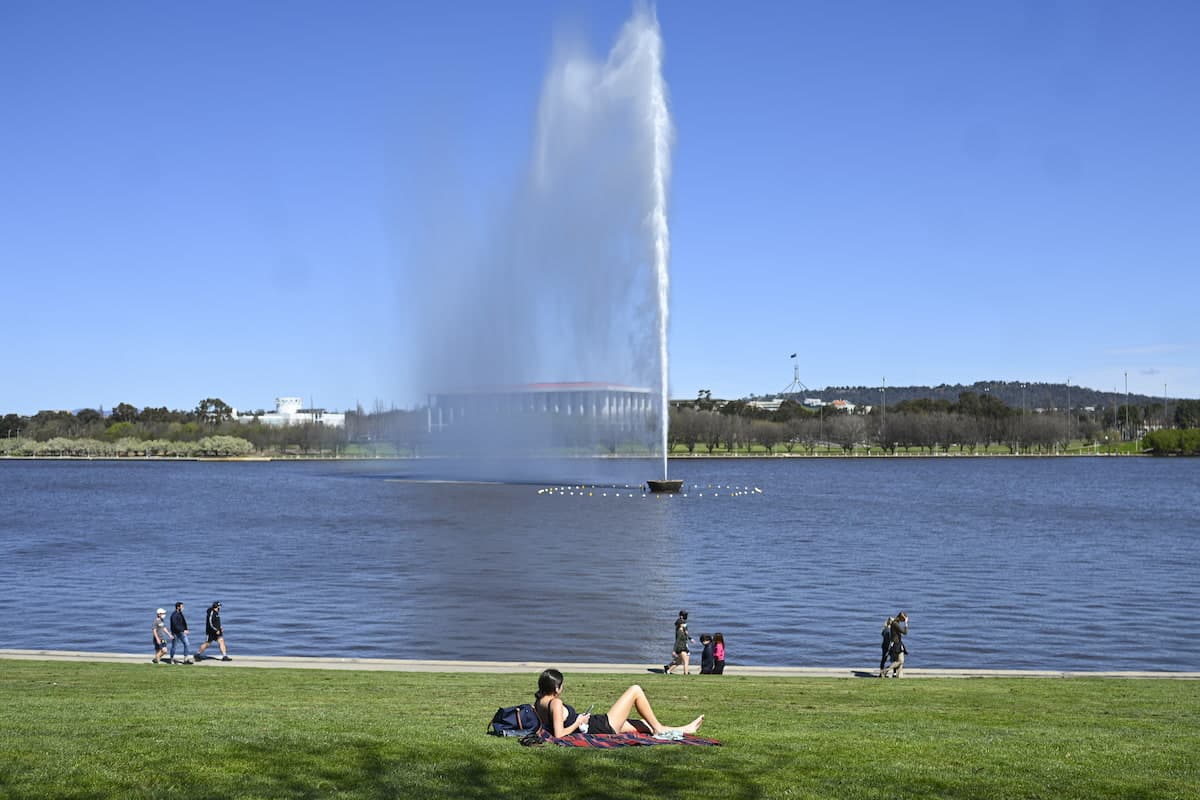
x=93 y=731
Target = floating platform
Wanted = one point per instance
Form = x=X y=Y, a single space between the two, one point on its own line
x=664 y=486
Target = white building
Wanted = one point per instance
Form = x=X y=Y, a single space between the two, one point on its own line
x=291 y=411
x=622 y=408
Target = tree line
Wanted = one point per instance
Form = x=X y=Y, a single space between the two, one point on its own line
x=1032 y=395
x=208 y=429
x=973 y=422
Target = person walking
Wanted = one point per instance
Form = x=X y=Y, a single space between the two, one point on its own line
x=886 y=644
x=179 y=634
x=213 y=632
x=680 y=653
x=161 y=636
x=896 y=648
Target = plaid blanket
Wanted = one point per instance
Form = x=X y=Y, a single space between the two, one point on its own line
x=610 y=740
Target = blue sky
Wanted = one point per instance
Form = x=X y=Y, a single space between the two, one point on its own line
x=220 y=199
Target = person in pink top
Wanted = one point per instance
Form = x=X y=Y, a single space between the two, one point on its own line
x=718 y=654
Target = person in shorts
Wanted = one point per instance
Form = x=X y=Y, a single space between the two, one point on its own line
x=213 y=631
x=680 y=652
x=162 y=636
x=560 y=719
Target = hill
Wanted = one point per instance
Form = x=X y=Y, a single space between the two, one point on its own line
x=1012 y=393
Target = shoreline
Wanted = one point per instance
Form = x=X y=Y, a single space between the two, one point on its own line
x=599 y=457
x=501 y=667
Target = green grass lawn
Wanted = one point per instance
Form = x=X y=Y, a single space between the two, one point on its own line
x=115 y=731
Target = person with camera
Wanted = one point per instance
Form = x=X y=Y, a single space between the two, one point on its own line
x=896 y=649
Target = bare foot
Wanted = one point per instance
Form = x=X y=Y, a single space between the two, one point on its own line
x=694 y=725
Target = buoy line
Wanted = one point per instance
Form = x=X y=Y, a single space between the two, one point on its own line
x=640 y=491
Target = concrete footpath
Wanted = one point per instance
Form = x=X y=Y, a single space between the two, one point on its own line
x=398 y=665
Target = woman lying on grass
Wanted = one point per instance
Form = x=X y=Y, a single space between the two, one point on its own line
x=562 y=720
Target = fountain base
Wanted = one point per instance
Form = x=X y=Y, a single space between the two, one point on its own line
x=664 y=486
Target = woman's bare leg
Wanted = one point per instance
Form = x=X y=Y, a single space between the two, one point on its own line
x=635 y=698
x=685 y=655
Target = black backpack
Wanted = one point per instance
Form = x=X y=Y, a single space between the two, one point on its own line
x=514 y=721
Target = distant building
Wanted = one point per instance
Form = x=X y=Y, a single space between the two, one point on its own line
x=602 y=407
x=291 y=411
x=766 y=405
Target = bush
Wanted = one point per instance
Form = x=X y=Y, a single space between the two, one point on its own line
x=1170 y=442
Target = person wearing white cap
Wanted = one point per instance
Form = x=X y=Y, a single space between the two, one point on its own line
x=162 y=636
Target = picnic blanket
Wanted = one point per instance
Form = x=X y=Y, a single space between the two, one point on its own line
x=611 y=740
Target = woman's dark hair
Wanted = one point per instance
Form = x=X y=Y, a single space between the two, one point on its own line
x=683 y=615
x=718 y=637
x=549 y=682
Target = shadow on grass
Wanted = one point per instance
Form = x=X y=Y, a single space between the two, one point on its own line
x=625 y=774
x=374 y=769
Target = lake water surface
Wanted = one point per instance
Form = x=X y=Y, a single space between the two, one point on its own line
x=1056 y=563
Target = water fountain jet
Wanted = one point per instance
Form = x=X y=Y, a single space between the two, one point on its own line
x=571 y=284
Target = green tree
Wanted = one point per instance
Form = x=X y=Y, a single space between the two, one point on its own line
x=129 y=446
x=46 y=425
x=224 y=446
x=1187 y=414
x=213 y=411
x=1173 y=441
x=88 y=416
x=12 y=425
x=123 y=413
x=119 y=430
x=161 y=415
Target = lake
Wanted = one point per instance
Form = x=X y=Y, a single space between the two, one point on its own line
x=1011 y=562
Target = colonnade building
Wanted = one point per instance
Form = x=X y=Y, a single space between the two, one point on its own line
x=600 y=407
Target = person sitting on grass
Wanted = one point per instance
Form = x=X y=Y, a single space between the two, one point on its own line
x=561 y=719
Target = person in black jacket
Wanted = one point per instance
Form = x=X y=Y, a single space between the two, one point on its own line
x=708 y=662
x=214 y=631
x=179 y=634
x=886 y=644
